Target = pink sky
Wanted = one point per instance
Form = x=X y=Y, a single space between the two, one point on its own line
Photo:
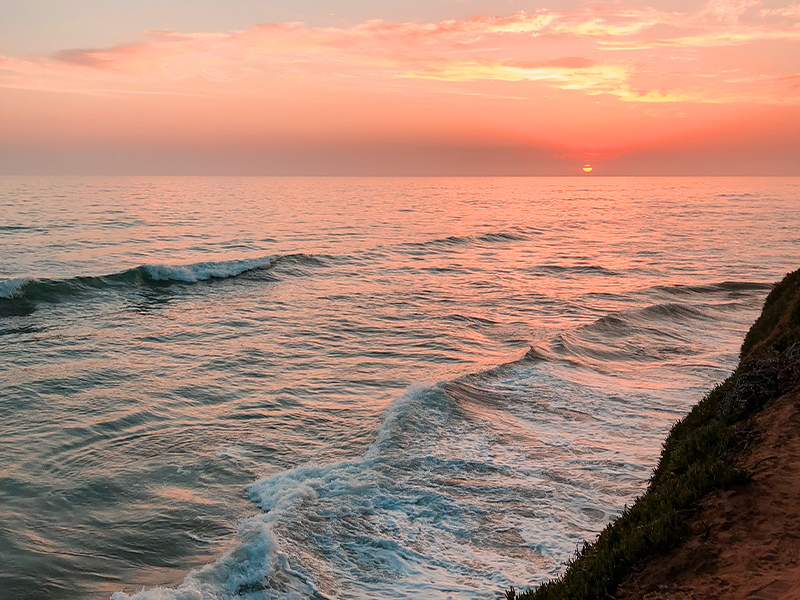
x=634 y=89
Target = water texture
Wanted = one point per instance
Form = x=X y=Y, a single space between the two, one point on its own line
x=216 y=388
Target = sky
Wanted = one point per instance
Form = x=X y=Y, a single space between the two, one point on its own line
x=433 y=87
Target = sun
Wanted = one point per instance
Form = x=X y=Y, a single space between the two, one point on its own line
x=587 y=168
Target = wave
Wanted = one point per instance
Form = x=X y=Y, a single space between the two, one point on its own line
x=437 y=500
x=449 y=489
x=204 y=270
x=352 y=519
x=713 y=288
x=4 y=228
x=648 y=334
x=452 y=481
x=445 y=493
x=35 y=290
x=502 y=236
x=649 y=318
x=425 y=505
x=458 y=240
x=450 y=240
x=10 y=288
x=576 y=269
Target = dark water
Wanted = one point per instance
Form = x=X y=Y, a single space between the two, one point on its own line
x=353 y=388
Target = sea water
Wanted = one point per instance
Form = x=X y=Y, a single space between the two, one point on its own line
x=353 y=388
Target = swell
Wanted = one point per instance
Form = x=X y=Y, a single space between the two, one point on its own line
x=306 y=509
x=652 y=333
x=440 y=470
x=711 y=288
x=498 y=237
x=573 y=270
x=6 y=228
x=413 y=502
x=31 y=290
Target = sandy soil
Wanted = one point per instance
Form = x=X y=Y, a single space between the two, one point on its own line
x=744 y=542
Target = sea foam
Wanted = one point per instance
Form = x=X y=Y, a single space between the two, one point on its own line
x=394 y=512
x=206 y=270
x=53 y=290
x=10 y=288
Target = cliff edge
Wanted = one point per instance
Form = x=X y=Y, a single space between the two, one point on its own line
x=721 y=514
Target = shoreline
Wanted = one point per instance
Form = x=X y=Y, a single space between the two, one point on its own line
x=723 y=469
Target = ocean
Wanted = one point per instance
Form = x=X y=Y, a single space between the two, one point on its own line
x=353 y=388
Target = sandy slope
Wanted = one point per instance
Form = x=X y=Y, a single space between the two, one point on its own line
x=745 y=542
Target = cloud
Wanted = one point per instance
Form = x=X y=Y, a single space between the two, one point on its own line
x=737 y=36
x=727 y=11
x=77 y=56
x=570 y=73
x=96 y=58
x=791 y=12
x=558 y=50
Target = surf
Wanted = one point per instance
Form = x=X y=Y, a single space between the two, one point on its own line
x=34 y=290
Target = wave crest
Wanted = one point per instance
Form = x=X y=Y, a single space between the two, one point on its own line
x=206 y=270
x=30 y=290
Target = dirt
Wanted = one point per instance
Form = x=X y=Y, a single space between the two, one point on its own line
x=743 y=542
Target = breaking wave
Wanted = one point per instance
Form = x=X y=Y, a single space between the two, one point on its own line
x=361 y=524
x=30 y=289
x=455 y=477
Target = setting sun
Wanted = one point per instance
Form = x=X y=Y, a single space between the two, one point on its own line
x=704 y=88
x=587 y=168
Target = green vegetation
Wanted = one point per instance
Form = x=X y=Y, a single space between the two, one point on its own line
x=699 y=456
x=778 y=327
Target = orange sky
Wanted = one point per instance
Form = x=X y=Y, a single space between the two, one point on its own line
x=632 y=90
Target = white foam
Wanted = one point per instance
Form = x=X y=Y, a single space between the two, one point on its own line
x=12 y=287
x=233 y=451
x=423 y=513
x=248 y=564
x=206 y=270
x=240 y=573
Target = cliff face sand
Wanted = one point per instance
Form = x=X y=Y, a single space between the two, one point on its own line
x=743 y=542
x=721 y=515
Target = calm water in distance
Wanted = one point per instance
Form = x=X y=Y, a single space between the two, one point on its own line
x=353 y=388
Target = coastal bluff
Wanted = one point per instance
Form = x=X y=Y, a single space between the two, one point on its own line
x=721 y=515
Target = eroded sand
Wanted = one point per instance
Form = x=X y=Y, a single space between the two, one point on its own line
x=744 y=542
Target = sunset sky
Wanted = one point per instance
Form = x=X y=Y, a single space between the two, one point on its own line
x=421 y=87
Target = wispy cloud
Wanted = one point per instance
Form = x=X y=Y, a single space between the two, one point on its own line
x=733 y=36
x=790 y=12
x=558 y=50
x=727 y=11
